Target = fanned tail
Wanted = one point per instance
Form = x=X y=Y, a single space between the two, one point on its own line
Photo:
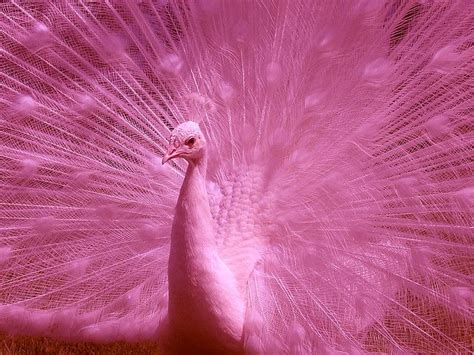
x=346 y=132
x=340 y=167
x=86 y=207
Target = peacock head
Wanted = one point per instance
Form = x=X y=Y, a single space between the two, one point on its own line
x=186 y=141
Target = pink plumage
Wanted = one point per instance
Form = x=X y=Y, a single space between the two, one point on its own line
x=317 y=194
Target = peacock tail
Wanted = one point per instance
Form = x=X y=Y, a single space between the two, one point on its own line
x=340 y=175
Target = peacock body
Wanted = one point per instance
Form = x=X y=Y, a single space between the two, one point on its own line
x=317 y=194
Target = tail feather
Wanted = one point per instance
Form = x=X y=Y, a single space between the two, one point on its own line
x=340 y=167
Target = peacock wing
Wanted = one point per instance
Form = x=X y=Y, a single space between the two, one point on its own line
x=237 y=205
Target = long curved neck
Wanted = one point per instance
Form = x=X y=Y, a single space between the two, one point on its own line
x=192 y=227
x=205 y=309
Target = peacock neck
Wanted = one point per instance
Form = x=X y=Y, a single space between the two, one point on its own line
x=205 y=309
x=192 y=227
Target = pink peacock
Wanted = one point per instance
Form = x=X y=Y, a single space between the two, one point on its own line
x=317 y=193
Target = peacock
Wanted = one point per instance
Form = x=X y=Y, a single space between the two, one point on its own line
x=249 y=176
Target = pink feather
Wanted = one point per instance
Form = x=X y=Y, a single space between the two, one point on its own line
x=324 y=204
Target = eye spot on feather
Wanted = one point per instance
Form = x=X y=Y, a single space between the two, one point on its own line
x=5 y=253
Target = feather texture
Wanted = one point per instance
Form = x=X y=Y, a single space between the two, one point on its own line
x=338 y=194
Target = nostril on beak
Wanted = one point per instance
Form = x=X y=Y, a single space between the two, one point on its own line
x=168 y=155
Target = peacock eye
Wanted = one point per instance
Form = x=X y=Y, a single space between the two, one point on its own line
x=190 y=142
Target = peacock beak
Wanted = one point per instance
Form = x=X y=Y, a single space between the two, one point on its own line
x=170 y=154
